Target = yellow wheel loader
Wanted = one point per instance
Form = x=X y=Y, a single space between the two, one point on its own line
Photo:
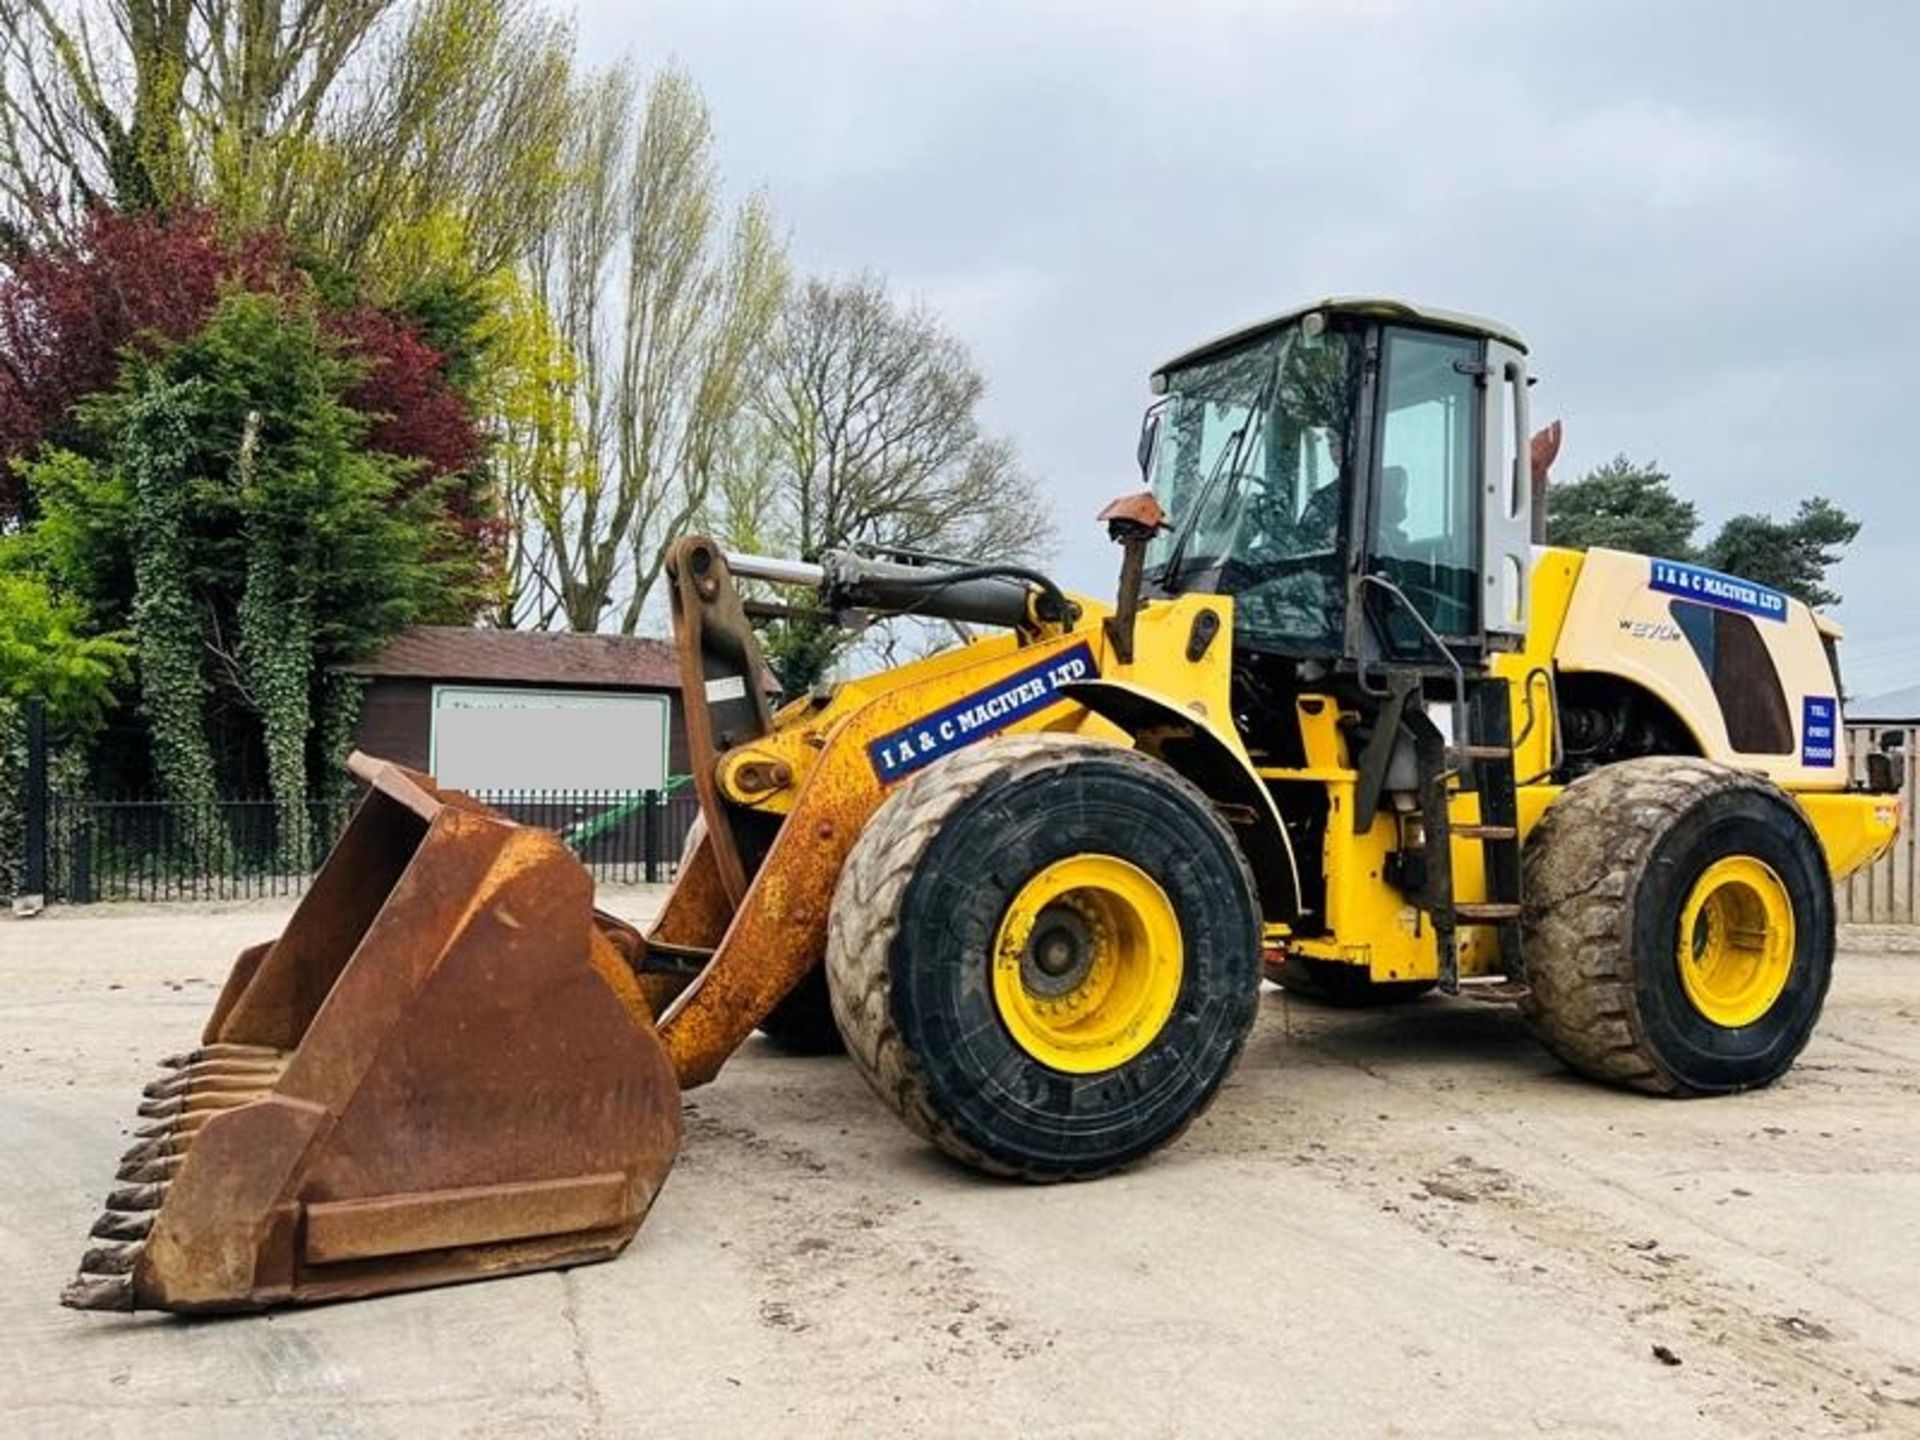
x=1347 y=724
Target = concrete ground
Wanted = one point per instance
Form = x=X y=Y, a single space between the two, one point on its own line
x=1391 y=1223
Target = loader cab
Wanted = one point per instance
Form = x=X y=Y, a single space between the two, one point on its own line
x=1352 y=474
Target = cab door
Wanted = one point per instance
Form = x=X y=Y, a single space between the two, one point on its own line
x=1423 y=519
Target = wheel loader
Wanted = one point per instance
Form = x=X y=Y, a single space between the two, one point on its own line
x=1347 y=725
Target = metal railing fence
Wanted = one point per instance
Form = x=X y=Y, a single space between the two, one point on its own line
x=138 y=847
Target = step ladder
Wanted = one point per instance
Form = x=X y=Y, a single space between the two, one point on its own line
x=1483 y=760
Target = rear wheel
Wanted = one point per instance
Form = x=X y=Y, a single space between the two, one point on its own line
x=802 y=1024
x=1679 y=927
x=1044 y=955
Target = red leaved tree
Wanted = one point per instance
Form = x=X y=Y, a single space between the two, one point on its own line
x=68 y=313
x=417 y=414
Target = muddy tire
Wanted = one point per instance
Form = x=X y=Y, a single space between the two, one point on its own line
x=1679 y=928
x=919 y=919
x=1344 y=987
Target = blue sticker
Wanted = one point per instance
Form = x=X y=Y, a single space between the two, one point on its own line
x=899 y=753
x=1819 y=730
x=1723 y=592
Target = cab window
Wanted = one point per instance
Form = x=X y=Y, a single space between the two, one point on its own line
x=1423 y=521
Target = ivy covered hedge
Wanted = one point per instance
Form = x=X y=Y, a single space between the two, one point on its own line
x=220 y=482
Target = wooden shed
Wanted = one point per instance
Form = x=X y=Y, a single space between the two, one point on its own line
x=526 y=710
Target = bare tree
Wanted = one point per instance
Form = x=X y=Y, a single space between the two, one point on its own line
x=350 y=122
x=453 y=142
x=663 y=302
x=868 y=434
x=115 y=102
x=870 y=407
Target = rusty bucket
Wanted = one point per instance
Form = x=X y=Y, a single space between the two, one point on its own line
x=443 y=1070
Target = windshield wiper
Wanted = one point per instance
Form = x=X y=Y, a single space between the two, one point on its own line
x=1229 y=462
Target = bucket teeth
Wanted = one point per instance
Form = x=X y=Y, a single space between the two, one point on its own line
x=147 y=1172
x=210 y=1078
x=122 y=1225
x=187 y=1122
x=183 y=1106
x=98 y=1292
x=137 y=1197
x=113 y=1258
x=221 y=1052
x=157 y=1148
x=105 y=1281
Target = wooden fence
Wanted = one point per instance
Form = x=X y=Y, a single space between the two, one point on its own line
x=1885 y=892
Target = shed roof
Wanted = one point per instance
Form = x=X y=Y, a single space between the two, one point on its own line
x=526 y=657
x=1903 y=704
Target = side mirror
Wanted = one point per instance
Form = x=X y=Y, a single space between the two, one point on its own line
x=1149 y=437
x=1883 y=778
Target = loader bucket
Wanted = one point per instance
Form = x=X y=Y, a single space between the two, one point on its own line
x=443 y=1070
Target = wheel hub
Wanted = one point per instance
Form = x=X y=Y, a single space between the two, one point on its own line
x=1087 y=963
x=1736 y=942
x=1060 y=952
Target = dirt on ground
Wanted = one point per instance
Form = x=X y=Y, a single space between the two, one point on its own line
x=1400 y=1222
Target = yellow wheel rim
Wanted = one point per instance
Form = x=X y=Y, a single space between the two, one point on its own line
x=1087 y=964
x=1735 y=947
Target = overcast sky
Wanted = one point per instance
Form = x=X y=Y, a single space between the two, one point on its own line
x=1704 y=217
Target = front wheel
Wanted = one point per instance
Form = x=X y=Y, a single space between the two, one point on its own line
x=1679 y=927
x=1044 y=955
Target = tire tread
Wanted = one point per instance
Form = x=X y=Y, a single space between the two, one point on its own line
x=1581 y=869
x=866 y=916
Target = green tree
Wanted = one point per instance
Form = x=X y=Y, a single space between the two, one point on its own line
x=1791 y=555
x=46 y=653
x=126 y=103
x=226 y=499
x=1626 y=505
x=1622 y=505
x=45 y=650
x=410 y=148
x=445 y=170
x=153 y=452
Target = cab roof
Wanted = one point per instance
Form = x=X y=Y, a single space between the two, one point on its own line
x=1374 y=307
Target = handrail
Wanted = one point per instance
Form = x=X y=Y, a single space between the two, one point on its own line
x=1399 y=596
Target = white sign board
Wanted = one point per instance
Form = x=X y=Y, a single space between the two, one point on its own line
x=504 y=739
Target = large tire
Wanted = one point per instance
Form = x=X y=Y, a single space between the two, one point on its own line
x=918 y=913
x=1616 y=865
x=1344 y=987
